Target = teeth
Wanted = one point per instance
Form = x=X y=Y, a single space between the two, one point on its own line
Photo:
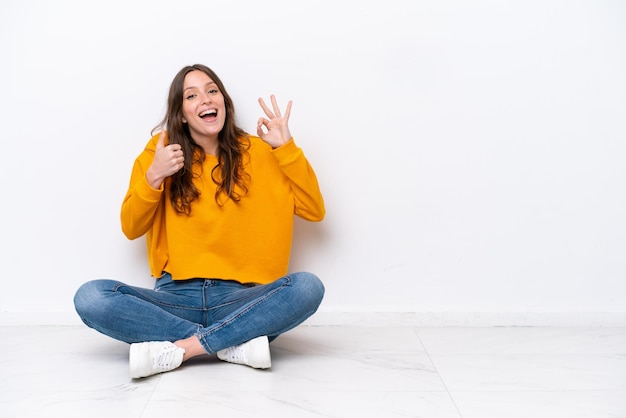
x=208 y=112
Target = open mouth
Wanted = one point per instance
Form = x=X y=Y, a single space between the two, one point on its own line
x=208 y=114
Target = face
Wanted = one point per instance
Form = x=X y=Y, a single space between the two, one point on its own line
x=203 y=106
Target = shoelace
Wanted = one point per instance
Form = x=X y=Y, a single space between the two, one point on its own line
x=165 y=359
x=236 y=353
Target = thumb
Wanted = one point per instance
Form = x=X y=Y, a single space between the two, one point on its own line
x=161 y=142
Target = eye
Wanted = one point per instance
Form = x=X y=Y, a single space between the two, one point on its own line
x=213 y=91
x=190 y=96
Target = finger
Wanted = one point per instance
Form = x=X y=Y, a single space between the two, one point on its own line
x=180 y=162
x=161 y=141
x=288 y=111
x=259 y=126
x=265 y=108
x=275 y=105
x=177 y=159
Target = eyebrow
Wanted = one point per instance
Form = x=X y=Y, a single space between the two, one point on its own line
x=195 y=87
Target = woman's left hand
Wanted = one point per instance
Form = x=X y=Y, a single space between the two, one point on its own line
x=275 y=128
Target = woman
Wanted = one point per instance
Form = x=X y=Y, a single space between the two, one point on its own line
x=216 y=206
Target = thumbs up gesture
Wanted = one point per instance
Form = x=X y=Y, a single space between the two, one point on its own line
x=168 y=159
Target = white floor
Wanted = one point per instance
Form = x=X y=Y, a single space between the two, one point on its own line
x=73 y=371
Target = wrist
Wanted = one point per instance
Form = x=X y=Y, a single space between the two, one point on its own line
x=154 y=181
x=282 y=143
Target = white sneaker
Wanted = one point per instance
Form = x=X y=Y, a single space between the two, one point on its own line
x=254 y=353
x=154 y=357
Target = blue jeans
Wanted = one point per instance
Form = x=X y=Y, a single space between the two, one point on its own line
x=221 y=313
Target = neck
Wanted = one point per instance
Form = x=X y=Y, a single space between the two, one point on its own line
x=209 y=145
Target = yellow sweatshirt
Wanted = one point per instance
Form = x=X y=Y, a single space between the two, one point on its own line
x=249 y=241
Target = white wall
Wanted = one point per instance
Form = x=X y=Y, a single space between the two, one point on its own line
x=471 y=153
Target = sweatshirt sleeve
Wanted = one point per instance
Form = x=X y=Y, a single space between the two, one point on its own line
x=141 y=201
x=309 y=203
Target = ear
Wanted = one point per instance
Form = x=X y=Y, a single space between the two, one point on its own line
x=184 y=120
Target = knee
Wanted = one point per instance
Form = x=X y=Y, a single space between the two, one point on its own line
x=310 y=286
x=88 y=297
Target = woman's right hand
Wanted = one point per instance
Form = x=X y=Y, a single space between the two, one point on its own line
x=168 y=159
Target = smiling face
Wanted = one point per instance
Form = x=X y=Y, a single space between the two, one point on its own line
x=203 y=107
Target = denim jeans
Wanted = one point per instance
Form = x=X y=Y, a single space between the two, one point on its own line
x=221 y=313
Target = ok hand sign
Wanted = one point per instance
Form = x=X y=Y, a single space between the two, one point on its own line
x=274 y=129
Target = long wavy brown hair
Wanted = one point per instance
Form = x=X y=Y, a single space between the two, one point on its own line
x=233 y=143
